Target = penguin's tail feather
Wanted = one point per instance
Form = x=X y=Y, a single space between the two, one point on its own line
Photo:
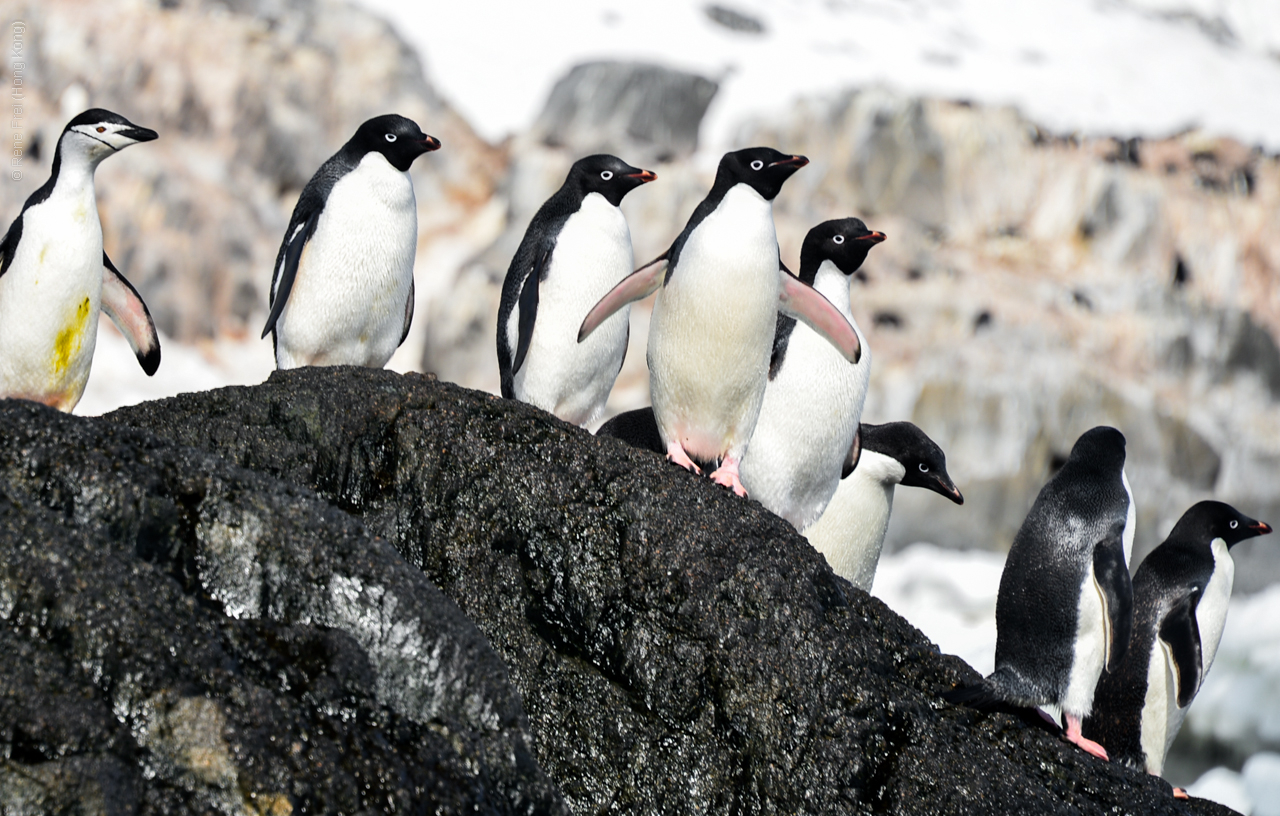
x=989 y=695
x=979 y=695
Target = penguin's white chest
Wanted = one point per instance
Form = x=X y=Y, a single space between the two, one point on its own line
x=809 y=415
x=850 y=532
x=1089 y=652
x=570 y=379
x=50 y=297
x=354 y=279
x=712 y=329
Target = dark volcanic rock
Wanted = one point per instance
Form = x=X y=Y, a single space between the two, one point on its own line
x=178 y=635
x=678 y=649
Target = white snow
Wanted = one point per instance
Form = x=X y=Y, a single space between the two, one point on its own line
x=1124 y=67
x=1225 y=787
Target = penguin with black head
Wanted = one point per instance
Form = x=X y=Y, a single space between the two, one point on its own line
x=1180 y=596
x=1065 y=606
x=575 y=250
x=713 y=324
x=342 y=287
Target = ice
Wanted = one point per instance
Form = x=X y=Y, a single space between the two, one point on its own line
x=1144 y=67
x=1225 y=787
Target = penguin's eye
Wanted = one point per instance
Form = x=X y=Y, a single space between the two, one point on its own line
x=391 y=137
x=757 y=164
x=101 y=129
x=1234 y=524
x=837 y=239
x=924 y=468
x=606 y=175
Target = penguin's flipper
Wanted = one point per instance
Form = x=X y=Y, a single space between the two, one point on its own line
x=287 y=267
x=636 y=286
x=9 y=245
x=122 y=303
x=801 y=301
x=529 y=308
x=855 y=453
x=408 y=315
x=1181 y=635
x=1116 y=588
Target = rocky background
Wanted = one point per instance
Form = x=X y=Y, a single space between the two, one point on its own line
x=1033 y=284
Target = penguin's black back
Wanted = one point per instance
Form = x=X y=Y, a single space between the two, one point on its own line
x=1038 y=605
x=538 y=243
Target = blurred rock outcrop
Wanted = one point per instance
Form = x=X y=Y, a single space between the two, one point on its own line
x=249 y=98
x=182 y=636
x=678 y=649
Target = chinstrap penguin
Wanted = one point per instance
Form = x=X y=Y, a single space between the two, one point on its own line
x=55 y=276
x=1065 y=606
x=342 y=286
x=850 y=532
x=1180 y=597
x=813 y=399
x=575 y=250
x=712 y=328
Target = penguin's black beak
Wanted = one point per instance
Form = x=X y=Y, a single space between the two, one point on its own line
x=794 y=162
x=873 y=238
x=429 y=143
x=643 y=177
x=139 y=134
x=945 y=487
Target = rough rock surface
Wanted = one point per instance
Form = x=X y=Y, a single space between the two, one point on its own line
x=183 y=636
x=678 y=649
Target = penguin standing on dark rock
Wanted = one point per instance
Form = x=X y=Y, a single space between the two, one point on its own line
x=576 y=249
x=54 y=275
x=1180 y=597
x=813 y=399
x=850 y=532
x=713 y=323
x=1065 y=607
x=342 y=288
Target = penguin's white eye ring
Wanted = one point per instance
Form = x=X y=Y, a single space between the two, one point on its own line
x=924 y=468
x=606 y=174
x=757 y=165
x=837 y=239
x=1234 y=524
x=391 y=137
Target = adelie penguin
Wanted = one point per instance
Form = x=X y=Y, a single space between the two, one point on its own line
x=1180 y=597
x=813 y=399
x=342 y=287
x=54 y=275
x=576 y=249
x=1065 y=606
x=850 y=532
x=712 y=328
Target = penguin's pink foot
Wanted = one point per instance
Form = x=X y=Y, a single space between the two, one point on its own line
x=676 y=454
x=1073 y=735
x=727 y=475
x=1179 y=793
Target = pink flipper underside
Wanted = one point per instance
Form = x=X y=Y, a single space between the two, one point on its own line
x=676 y=454
x=727 y=475
x=800 y=300
x=636 y=286
x=1073 y=735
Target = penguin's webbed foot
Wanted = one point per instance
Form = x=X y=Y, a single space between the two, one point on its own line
x=676 y=454
x=727 y=475
x=1073 y=735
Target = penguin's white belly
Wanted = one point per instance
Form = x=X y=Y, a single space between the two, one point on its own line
x=807 y=421
x=1211 y=611
x=712 y=329
x=850 y=533
x=570 y=379
x=49 y=302
x=347 y=306
x=1161 y=716
x=1089 y=653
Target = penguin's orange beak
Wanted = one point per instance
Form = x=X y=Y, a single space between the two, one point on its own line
x=1262 y=527
x=430 y=143
x=874 y=238
x=797 y=161
x=644 y=176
